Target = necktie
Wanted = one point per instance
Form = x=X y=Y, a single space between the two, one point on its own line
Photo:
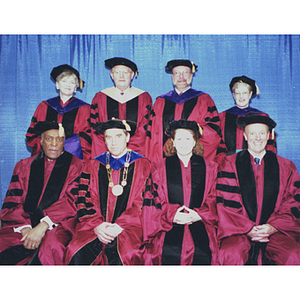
x=256 y=160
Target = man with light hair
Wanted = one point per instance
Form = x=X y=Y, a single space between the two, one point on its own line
x=122 y=101
x=258 y=202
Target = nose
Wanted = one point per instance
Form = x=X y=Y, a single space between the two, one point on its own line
x=113 y=141
x=54 y=142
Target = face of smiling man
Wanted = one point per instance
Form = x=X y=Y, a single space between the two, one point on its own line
x=52 y=143
x=257 y=136
x=182 y=77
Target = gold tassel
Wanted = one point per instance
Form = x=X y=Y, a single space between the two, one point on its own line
x=193 y=67
x=273 y=134
x=257 y=89
x=61 y=130
x=127 y=127
x=80 y=83
x=200 y=129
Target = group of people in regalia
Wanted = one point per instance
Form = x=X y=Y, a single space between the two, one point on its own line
x=124 y=181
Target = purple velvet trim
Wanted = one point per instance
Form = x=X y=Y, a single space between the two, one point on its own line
x=187 y=95
x=72 y=145
x=240 y=112
x=55 y=104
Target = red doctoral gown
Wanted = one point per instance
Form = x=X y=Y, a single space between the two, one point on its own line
x=74 y=118
x=170 y=186
x=38 y=190
x=191 y=105
x=97 y=204
x=233 y=135
x=249 y=194
x=137 y=109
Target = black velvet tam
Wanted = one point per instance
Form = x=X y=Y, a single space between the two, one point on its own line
x=116 y=61
x=256 y=118
x=129 y=126
x=183 y=124
x=246 y=80
x=63 y=68
x=180 y=62
x=43 y=126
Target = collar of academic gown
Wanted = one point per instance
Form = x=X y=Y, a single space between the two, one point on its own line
x=124 y=96
x=117 y=163
x=242 y=111
x=187 y=95
x=74 y=103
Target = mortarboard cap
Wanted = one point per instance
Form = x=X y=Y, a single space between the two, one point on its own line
x=247 y=80
x=256 y=118
x=183 y=124
x=116 y=61
x=180 y=62
x=43 y=126
x=129 y=126
x=62 y=68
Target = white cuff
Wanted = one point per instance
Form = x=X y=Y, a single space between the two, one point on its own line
x=49 y=222
x=18 y=229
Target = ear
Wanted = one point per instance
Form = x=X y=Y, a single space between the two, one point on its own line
x=245 y=136
x=127 y=137
x=56 y=85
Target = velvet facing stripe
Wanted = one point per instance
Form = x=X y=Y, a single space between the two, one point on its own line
x=248 y=191
x=110 y=250
x=53 y=189
x=172 y=247
x=131 y=109
x=67 y=121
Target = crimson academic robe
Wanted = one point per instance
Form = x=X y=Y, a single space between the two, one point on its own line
x=249 y=195
x=74 y=118
x=38 y=189
x=137 y=109
x=97 y=204
x=191 y=105
x=170 y=186
x=233 y=135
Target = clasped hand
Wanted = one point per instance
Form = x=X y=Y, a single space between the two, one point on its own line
x=261 y=233
x=31 y=238
x=106 y=232
x=185 y=215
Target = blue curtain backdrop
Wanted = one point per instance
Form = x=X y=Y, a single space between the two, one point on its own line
x=27 y=60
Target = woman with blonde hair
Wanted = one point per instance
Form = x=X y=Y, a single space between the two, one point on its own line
x=243 y=90
x=65 y=108
x=179 y=214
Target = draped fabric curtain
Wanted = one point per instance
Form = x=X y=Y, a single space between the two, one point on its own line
x=27 y=60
